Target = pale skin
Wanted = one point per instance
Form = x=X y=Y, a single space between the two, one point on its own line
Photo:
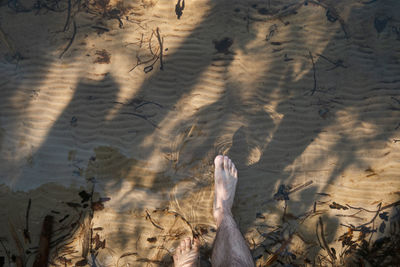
x=229 y=247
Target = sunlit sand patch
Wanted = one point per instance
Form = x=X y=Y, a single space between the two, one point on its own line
x=253 y=104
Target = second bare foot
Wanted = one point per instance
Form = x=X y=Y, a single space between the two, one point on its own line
x=187 y=254
x=225 y=187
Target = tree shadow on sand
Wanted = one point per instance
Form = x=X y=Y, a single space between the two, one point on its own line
x=268 y=152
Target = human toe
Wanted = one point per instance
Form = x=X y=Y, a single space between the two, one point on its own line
x=196 y=244
x=219 y=162
x=233 y=170
x=188 y=244
x=182 y=246
x=226 y=163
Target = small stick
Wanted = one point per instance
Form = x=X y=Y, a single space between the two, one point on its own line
x=360 y=208
x=68 y=16
x=333 y=257
x=316 y=232
x=337 y=64
x=43 y=254
x=152 y=222
x=141 y=116
x=274 y=256
x=26 y=230
x=160 y=43
x=70 y=41
x=101 y=28
x=151 y=50
x=194 y=232
x=300 y=187
x=373 y=219
x=315 y=79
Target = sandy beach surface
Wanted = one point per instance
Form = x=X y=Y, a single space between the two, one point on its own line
x=112 y=112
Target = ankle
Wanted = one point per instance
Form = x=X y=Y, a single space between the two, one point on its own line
x=220 y=214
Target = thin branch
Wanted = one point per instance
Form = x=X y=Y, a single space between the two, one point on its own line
x=373 y=219
x=160 y=43
x=314 y=72
x=26 y=230
x=194 y=232
x=152 y=222
x=142 y=117
x=331 y=255
x=68 y=16
x=70 y=41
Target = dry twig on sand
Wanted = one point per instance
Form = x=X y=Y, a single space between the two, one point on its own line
x=324 y=243
x=27 y=235
x=68 y=16
x=156 y=55
x=314 y=73
x=152 y=222
x=70 y=41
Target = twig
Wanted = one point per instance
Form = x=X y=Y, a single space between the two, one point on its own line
x=104 y=29
x=314 y=72
x=70 y=41
x=152 y=222
x=373 y=219
x=160 y=43
x=151 y=37
x=68 y=16
x=360 y=208
x=300 y=187
x=139 y=62
x=331 y=255
x=26 y=230
x=351 y=215
x=338 y=63
x=316 y=232
x=148 y=102
x=141 y=116
x=194 y=232
x=271 y=259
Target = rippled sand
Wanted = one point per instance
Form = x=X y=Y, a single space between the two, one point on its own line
x=291 y=93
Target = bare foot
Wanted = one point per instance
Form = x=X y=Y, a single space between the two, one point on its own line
x=187 y=254
x=225 y=186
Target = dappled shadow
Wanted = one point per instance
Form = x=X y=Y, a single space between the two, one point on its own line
x=277 y=132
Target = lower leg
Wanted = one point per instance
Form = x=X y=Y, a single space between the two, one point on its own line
x=230 y=248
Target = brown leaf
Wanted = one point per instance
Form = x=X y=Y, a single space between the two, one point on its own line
x=337 y=206
x=96 y=206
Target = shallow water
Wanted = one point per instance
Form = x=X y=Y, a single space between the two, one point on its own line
x=294 y=94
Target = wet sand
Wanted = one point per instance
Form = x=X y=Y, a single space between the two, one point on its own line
x=295 y=94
